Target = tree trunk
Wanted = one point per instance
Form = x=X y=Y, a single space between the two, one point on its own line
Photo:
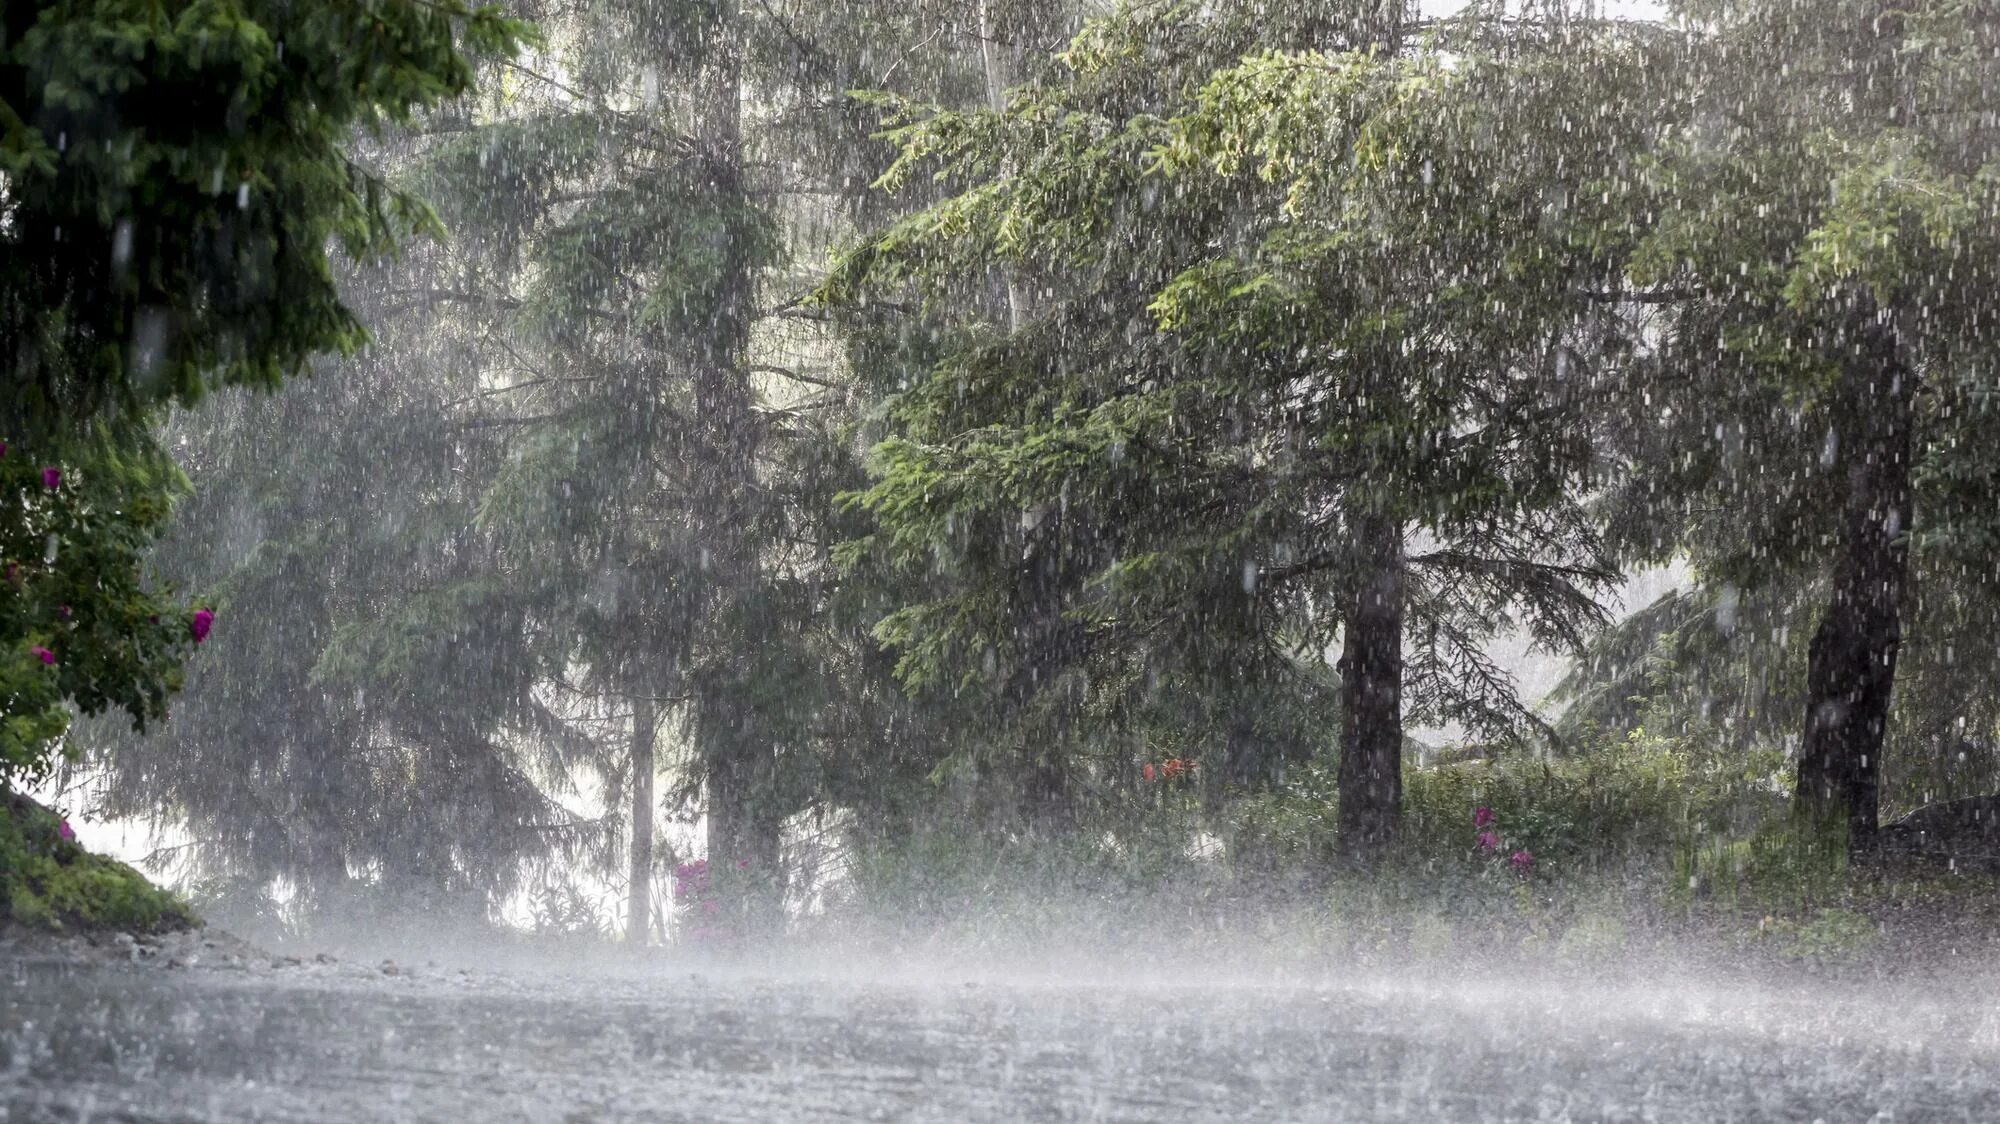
x=1371 y=676
x=744 y=827
x=639 y=898
x=744 y=837
x=1853 y=657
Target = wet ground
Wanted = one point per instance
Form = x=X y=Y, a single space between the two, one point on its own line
x=347 y=1043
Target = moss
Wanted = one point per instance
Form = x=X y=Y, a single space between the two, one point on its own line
x=52 y=884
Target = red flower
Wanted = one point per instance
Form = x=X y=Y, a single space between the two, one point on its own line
x=199 y=625
x=1146 y=770
x=47 y=657
x=52 y=478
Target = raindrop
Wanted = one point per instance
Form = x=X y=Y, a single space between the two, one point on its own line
x=149 y=343
x=121 y=246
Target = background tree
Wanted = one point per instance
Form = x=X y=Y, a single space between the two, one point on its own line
x=1242 y=416
x=1812 y=416
x=466 y=639
x=171 y=177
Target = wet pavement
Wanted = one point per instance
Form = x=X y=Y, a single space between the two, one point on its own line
x=343 y=1043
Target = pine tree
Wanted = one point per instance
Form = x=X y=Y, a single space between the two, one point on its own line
x=1301 y=364
x=1817 y=238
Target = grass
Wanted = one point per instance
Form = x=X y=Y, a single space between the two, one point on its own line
x=51 y=884
x=1641 y=847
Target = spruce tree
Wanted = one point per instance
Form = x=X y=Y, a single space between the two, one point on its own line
x=1817 y=237
x=1301 y=367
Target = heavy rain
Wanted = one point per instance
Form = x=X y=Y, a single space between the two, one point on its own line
x=603 y=561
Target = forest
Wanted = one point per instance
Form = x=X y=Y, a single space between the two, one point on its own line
x=689 y=471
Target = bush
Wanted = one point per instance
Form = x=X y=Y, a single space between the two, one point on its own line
x=1600 y=812
x=49 y=882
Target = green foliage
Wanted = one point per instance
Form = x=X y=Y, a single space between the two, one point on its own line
x=1063 y=467
x=173 y=176
x=1816 y=178
x=48 y=882
x=1182 y=332
x=1636 y=805
x=1291 y=827
x=1780 y=864
x=1827 y=937
x=81 y=629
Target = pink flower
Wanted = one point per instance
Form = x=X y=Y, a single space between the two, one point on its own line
x=1488 y=841
x=200 y=624
x=1146 y=771
x=1521 y=860
x=65 y=832
x=3 y=448
x=63 y=611
x=47 y=657
x=51 y=478
x=1481 y=816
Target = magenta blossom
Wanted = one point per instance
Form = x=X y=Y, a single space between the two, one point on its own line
x=1481 y=816
x=1521 y=860
x=47 y=657
x=64 y=611
x=64 y=832
x=1488 y=841
x=198 y=626
x=52 y=478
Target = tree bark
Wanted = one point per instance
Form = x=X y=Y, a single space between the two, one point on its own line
x=1371 y=675
x=639 y=898
x=1852 y=669
x=744 y=826
x=745 y=834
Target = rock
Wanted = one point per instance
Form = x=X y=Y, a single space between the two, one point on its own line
x=1964 y=833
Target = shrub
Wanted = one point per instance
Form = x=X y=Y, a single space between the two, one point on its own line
x=49 y=882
